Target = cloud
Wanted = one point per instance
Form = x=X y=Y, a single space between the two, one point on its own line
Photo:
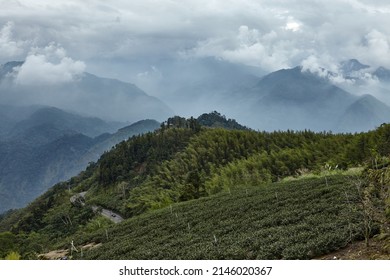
x=48 y=66
x=269 y=34
x=293 y=25
x=9 y=47
x=248 y=47
x=376 y=48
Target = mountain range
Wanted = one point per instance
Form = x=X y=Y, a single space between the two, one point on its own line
x=186 y=191
x=41 y=145
x=87 y=95
x=298 y=100
x=293 y=98
x=51 y=145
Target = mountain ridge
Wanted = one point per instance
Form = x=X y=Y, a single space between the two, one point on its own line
x=46 y=150
x=108 y=99
x=298 y=100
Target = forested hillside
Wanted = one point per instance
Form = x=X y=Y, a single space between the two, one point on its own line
x=192 y=170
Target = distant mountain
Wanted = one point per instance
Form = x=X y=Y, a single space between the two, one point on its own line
x=350 y=66
x=52 y=145
x=57 y=122
x=194 y=86
x=295 y=99
x=8 y=68
x=10 y=115
x=367 y=112
x=88 y=94
x=383 y=74
x=106 y=141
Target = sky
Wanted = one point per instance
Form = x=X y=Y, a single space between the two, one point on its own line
x=65 y=38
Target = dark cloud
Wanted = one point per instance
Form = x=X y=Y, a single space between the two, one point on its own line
x=267 y=34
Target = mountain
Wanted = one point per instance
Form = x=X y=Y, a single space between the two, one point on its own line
x=296 y=99
x=52 y=145
x=11 y=115
x=87 y=95
x=51 y=123
x=348 y=67
x=383 y=74
x=8 y=68
x=205 y=193
x=106 y=141
x=367 y=112
x=194 y=86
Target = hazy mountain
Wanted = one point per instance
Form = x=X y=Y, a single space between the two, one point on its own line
x=87 y=94
x=10 y=115
x=383 y=74
x=366 y=113
x=8 y=68
x=57 y=122
x=292 y=99
x=348 y=67
x=194 y=86
x=50 y=146
x=285 y=99
x=106 y=141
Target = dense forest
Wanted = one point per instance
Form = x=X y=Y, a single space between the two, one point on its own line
x=188 y=162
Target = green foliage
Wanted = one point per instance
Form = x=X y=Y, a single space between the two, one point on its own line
x=294 y=220
x=183 y=162
x=215 y=119
x=217 y=159
x=134 y=159
x=13 y=256
x=8 y=243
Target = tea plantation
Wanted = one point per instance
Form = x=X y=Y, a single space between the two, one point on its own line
x=300 y=219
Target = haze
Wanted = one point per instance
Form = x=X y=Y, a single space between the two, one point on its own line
x=173 y=49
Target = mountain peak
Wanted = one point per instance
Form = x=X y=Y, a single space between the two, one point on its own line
x=12 y=64
x=8 y=68
x=352 y=65
x=383 y=74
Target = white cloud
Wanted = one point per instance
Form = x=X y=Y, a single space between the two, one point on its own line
x=48 y=66
x=293 y=25
x=9 y=46
x=376 y=48
x=249 y=47
x=269 y=34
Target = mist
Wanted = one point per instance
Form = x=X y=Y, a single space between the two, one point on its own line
x=183 y=57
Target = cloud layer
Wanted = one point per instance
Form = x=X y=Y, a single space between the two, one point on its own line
x=267 y=34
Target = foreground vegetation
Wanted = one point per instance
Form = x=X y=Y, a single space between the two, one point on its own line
x=291 y=220
x=191 y=191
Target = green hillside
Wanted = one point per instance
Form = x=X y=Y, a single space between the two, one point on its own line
x=183 y=184
x=294 y=220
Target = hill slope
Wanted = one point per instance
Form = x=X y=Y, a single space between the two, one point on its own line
x=295 y=220
x=220 y=175
x=52 y=145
